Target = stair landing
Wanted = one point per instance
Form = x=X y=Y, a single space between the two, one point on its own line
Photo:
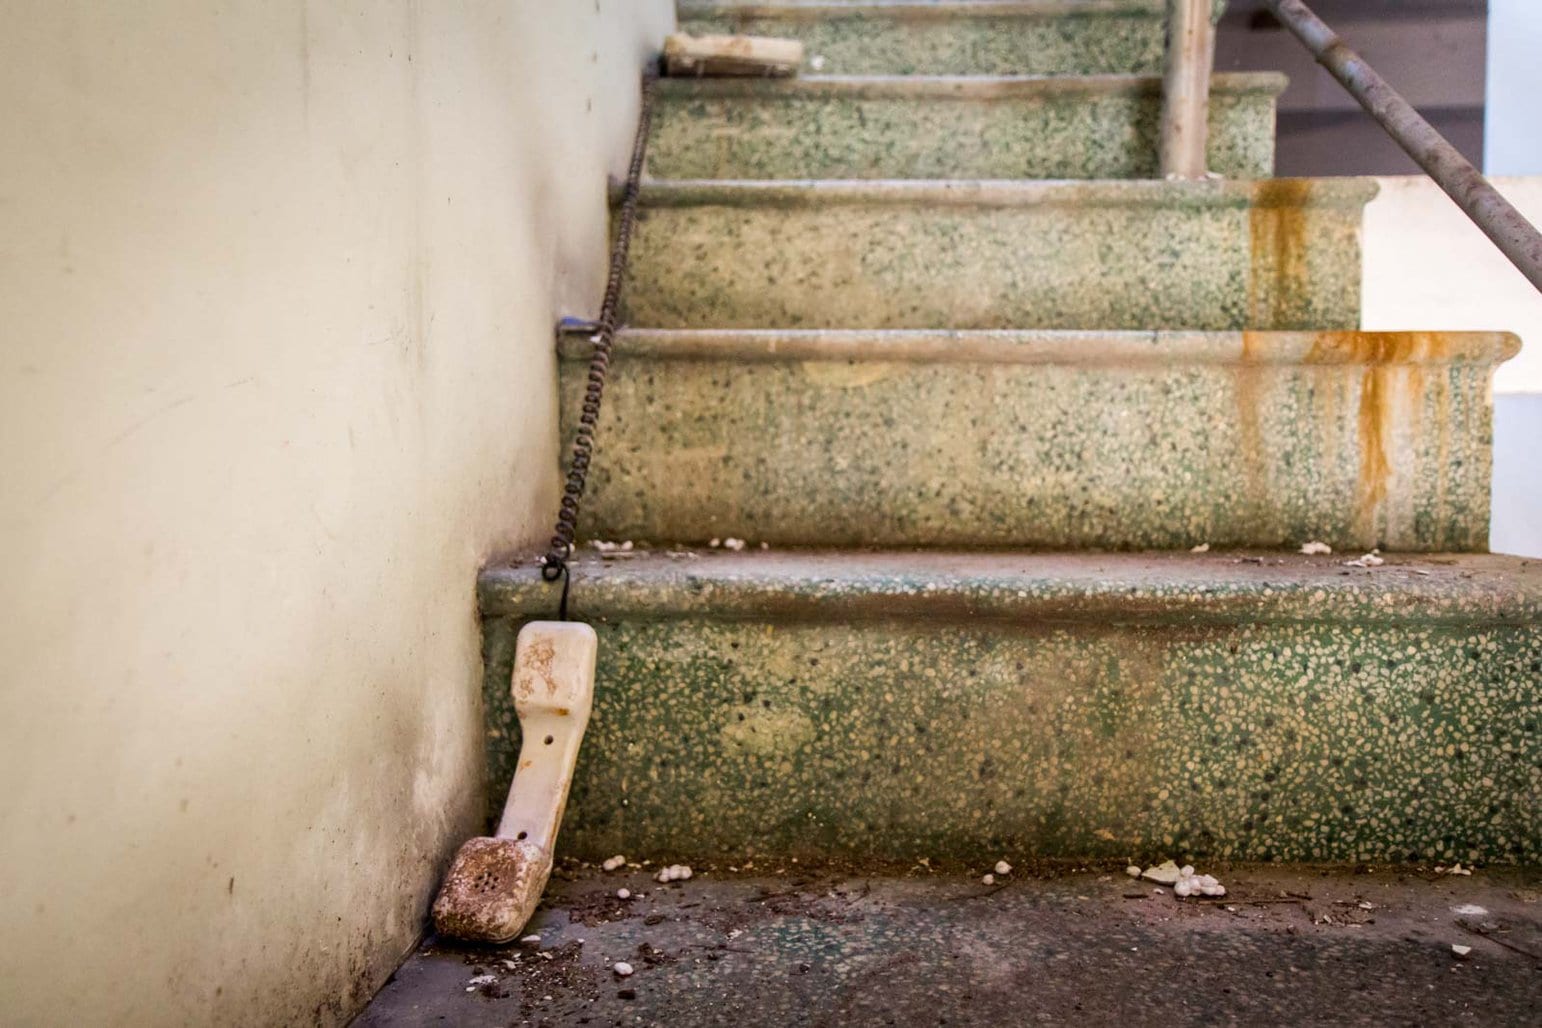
x=797 y=948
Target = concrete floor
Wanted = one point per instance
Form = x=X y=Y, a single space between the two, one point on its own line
x=792 y=947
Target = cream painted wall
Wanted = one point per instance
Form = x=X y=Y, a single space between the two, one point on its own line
x=277 y=284
x=1428 y=267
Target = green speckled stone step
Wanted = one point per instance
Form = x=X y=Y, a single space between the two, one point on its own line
x=941 y=127
x=1042 y=439
x=1136 y=254
x=963 y=37
x=961 y=706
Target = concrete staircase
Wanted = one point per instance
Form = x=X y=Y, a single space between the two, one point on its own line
x=971 y=382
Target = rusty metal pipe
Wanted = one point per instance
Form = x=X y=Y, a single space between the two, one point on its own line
x=1186 y=88
x=1516 y=237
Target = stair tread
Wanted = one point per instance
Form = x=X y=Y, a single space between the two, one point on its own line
x=1319 y=192
x=824 y=9
x=1156 y=587
x=972 y=87
x=1058 y=346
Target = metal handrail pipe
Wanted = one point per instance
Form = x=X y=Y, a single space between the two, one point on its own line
x=1516 y=237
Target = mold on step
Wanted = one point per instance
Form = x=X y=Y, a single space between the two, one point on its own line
x=964 y=705
x=1042 y=439
x=936 y=127
x=993 y=254
x=953 y=37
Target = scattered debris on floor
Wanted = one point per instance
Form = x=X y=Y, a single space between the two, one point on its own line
x=623 y=894
x=1370 y=560
x=1315 y=548
x=622 y=969
x=1183 y=880
x=1470 y=910
x=1201 y=548
x=674 y=873
x=988 y=879
x=689 y=55
x=1460 y=950
x=1454 y=869
x=734 y=544
x=606 y=546
x=1003 y=868
x=612 y=863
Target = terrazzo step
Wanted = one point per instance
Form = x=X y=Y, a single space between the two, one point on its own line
x=1041 y=439
x=963 y=37
x=938 y=127
x=971 y=254
x=958 y=706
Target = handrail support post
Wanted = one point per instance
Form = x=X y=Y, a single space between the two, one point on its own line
x=1186 y=89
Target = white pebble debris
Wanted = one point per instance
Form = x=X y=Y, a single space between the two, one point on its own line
x=734 y=544
x=988 y=880
x=1315 y=548
x=1003 y=868
x=1133 y=871
x=614 y=862
x=623 y=894
x=674 y=873
x=530 y=940
x=622 y=969
x=1370 y=560
x=1201 y=548
x=1460 y=950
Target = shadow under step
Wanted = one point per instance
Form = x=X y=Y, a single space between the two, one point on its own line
x=1230 y=254
x=960 y=706
x=1042 y=439
x=961 y=37
x=941 y=127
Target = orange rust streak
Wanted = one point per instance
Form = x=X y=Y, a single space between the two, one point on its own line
x=1277 y=243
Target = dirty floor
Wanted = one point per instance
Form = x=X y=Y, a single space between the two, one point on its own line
x=797 y=947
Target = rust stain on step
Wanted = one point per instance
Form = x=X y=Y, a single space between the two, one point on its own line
x=1392 y=381
x=1277 y=242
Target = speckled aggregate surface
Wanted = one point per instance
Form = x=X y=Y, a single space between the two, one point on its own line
x=1271 y=254
x=786 y=945
x=1138 y=440
x=904 y=127
x=954 y=39
x=879 y=706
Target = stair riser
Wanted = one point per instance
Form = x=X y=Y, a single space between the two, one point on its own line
x=1121 y=452
x=775 y=130
x=1130 y=255
x=928 y=44
x=723 y=740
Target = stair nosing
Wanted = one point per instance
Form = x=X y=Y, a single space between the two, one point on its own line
x=1064 y=347
x=919 y=10
x=1169 y=587
x=1348 y=192
x=958 y=87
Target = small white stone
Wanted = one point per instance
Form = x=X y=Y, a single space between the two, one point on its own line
x=1003 y=868
x=622 y=969
x=1460 y=950
x=614 y=862
x=988 y=880
x=530 y=940
x=733 y=544
x=1466 y=910
x=1370 y=560
x=1201 y=548
x=623 y=894
x=714 y=543
x=1315 y=548
x=817 y=62
x=1183 y=887
x=482 y=979
x=1133 y=871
